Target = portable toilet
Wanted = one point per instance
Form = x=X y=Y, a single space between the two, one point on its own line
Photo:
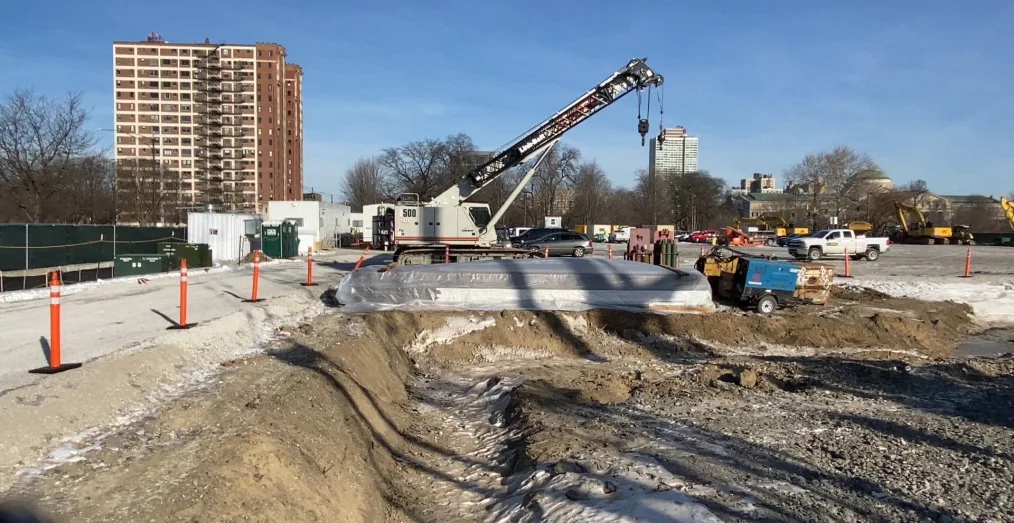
x=280 y=239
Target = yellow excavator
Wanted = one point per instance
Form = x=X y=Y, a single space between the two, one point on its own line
x=1008 y=211
x=926 y=233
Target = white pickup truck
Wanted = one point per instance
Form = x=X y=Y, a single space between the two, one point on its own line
x=835 y=243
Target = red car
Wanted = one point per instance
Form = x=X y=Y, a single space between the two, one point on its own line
x=702 y=236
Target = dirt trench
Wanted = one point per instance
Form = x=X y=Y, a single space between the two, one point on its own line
x=399 y=417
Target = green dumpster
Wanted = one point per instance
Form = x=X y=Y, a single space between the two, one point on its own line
x=196 y=254
x=140 y=264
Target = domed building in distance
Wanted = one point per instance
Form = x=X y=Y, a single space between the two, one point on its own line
x=877 y=179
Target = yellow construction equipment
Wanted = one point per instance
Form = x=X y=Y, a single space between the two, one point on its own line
x=860 y=227
x=1008 y=210
x=925 y=232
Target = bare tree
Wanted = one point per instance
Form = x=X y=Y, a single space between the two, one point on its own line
x=591 y=190
x=807 y=180
x=457 y=157
x=981 y=214
x=415 y=167
x=913 y=193
x=427 y=167
x=364 y=183
x=39 y=137
x=92 y=199
x=148 y=193
x=832 y=182
x=696 y=199
x=555 y=173
x=848 y=173
x=650 y=191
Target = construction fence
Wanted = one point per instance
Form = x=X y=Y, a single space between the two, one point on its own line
x=82 y=252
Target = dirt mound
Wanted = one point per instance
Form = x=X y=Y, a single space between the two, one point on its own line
x=297 y=435
x=876 y=323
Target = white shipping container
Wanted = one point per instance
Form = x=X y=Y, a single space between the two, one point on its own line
x=226 y=234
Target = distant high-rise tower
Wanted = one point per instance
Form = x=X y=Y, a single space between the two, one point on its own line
x=226 y=119
x=677 y=154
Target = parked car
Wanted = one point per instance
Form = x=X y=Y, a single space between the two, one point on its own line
x=560 y=243
x=835 y=243
x=537 y=231
x=703 y=236
x=783 y=241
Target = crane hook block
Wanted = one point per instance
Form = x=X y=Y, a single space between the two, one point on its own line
x=642 y=127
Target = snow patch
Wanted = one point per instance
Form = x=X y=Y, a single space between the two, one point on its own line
x=501 y=353
x=577 y=324
x=454 y=328
x=634 y=488
x=991 y=302
x=605 y=488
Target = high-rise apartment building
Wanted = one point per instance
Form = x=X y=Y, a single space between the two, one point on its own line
x=221 y=123
x=677 y=153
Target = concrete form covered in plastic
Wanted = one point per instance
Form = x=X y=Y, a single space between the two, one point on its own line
x=536 y=284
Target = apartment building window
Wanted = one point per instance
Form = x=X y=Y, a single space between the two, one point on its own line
x=185 y=96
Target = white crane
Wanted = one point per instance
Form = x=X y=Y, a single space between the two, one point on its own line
x=425 y=232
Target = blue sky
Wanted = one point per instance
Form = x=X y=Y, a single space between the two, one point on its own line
x=925 y=87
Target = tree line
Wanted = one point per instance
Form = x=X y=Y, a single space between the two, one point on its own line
x=52 y=171
x=848 y=185
x=566 y=184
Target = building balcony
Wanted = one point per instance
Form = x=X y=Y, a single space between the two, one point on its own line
x=211 y=97
x=210 y=76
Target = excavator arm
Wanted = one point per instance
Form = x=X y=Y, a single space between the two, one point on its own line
x=1008 y=210
x=636 y=75
x=899 y=211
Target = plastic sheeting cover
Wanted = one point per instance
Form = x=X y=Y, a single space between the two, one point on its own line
x=539 y=284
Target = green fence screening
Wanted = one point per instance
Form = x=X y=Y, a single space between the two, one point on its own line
x=35 y=246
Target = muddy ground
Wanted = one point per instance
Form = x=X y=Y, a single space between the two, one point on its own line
x=857 y=411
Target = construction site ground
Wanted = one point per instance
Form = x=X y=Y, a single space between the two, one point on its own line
x=871 y=408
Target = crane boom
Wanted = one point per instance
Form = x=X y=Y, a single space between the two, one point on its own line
x=633 y=76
